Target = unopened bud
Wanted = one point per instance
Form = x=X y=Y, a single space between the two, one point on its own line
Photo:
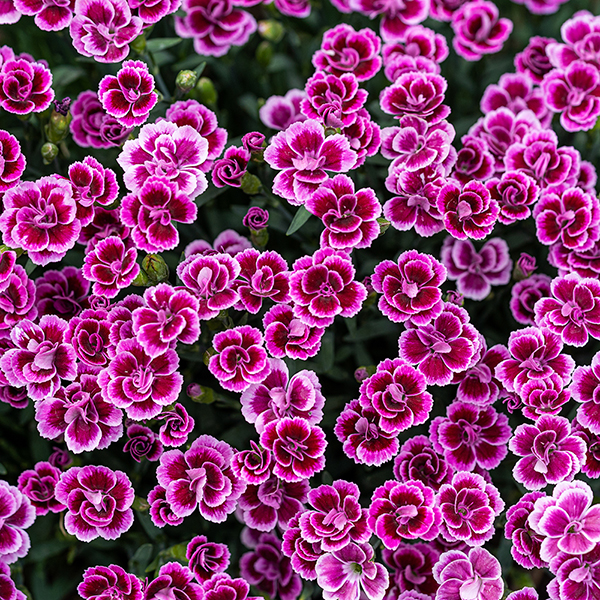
x=141 y=279
x=58 y=127
x=200 y=393
x=186 y=80
x=49 y=152
x=139 y=43
x=250 y=184
x=271 y=30
x=207 y=94
x=454 y=297
x=384 y=225
x=156 y=268
x=525 y=267
x=264 y=53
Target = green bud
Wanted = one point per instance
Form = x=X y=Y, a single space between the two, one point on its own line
x=207 y=356
x=200 y=393
x=384 y=225
x=207 y=94
x=251 y=184
x=186 y=80
x=140 y=504
x=156 y=268
x=139 y=44
x=259 y=237
x=271 y=30
x=264 y=53
x=141 y=279
x=49 y=152
x=57 y=127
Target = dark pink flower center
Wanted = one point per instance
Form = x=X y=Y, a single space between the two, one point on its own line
x=197 y=481
x=369 y=431
x=296 y=448
x=463 y=210
x=143 y=379
x=470 y=432
x=308 y=162
x=405 y=513
x=44 y=358
x=337 y=518
x=297 y=329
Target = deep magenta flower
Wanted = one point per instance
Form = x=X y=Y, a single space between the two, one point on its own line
x=109 y=582
x=142 y=442
x=345 y=50
x=515 y=192
x=525 y=294
x=262 y=275
x=473 y=161
x=176 y=427
x=50 y=15
x=286 y=335
x=298 y=448
x=41 y=356
x=303 y=554
x=161 y=512
x=349 y=216
x=473 y=576
x=240 y=358
x=104 y=224
x=551 y=453
x=80 y=414
x=468 y=211
x=279 y=112
x=129 y=96
x=89 y=336
x=40 y=217
x=578 y=576
x=364 y=136
x=38 y=485
x=110 y=266
x=579 y=34
x=223 y=587
x=173 y=580
x=206 y=558
x=215 y=26
x=202 y=477
x=468 y=505
x=152 y=11
x=443 y=347
x=336 y=517
x=397 y=392
x=231 y=169
x=254 y=465
x=404 y=511
x=544 y=397
x=98 y=500
x=279 y=396
x=418 y=94
x=411 y=288
x=256 y=218
x=476 y=272
x=17 y=295
x=411 y=570
x=25 y=86
x=227 y=242
x=166 y=150
x=350 y=572
x=255 y=142
x=322 y=286
x=12 y=160
x=471 y=435
x=398 y=16
x=17 y=514
x=364 y=441
x=417 y=41
x=533 y=61
x=303 y=155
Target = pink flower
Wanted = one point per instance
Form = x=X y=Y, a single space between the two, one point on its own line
x=526 y=542
x=17 y=292
x=109 y=582
x=254 y=465
x=130 y=96
x=38 y=484
x=173 y=580
x=161 y=512
x=533 y=61
x=577 y=576
x=515 y=192
x=13 y=161
x=411 y=566
x=230 y=169
x=524 y=296
x=152 y=11
x=223 y=587
x=142 y=442
x=103 y=29
x=279 y=112
x=303 y=554
x=50 y=15
x=418 y=41
x=206 y=558
x=364 y=136
x=585 y=390
x=25 y=86
x=17 y=514
x=397 y=16
x=98 y=500
x=176 y=427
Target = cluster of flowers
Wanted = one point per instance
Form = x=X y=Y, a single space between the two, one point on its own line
x=98 y=369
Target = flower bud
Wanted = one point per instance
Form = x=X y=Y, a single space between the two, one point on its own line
x=141 y=279
x=186 y=80
x=207 y=94
x=384 y=225
x=200 y=393
x=271 y=30
x=250 y=184
x=454 y=297
x=156 y=268
x=49 y=152
x=58 y=126
x=264 y=53
x=526 y=266
x=139 y=43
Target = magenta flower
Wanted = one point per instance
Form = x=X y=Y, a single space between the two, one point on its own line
x=476 y=272
x=17 y=514
x=98 y=500
x=89 y=336
x=322 y=286
x=411 y=288
x=350 y=572
x=279 y=112
x=256 y=218
x=170 y=315
x=578 y=576
x=227 y=242
x=173 y=580
x=109 y=582
x=544 y=397
x=262 y=275
x=515 y=192
x=418 y=41
x=255 y=142
x=41 y=357
x=474 y=160
x=202 y=477
x=304 y=154
x=303 y=554
x=230 y=169
x=269 y=570
x=404 y=511
x=525 y=294
x=80 y=414
x=585 y=389
x=40 y=217
x=142 y=442
x=110 y=266
x=206 y=558
x=398 y=17
x=17 y=294
x=176 y=427
x=13 y=161
x=25 y=86
x=240 y=358
x=468 y=505
x=345 y=50
x=533 y=61
x=443 y=347
x=412 y=566
x=215 y=26
x=50 y=15
x=166 y=150
x=476 y=576
x=152 y=11
x=38 y=485
x=129 y=96
x=471 y=436
x=105 y=223
x=359 y=429
x=254 y=465
x=161 y=512
x=223 y=587
x=579 y=34
x=279 y=396
x=551 y=453
x=397 y=392
x=336 y=517
x=298 y=448
x=364 y=136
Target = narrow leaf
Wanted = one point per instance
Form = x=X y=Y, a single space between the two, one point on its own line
x=299 y=219
x=159 y=44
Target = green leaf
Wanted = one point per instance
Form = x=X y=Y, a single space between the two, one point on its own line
x=179 y=551
x=3 y=470
x=30 y=267
x=139 y=561
x=301 y=216
x=210 y=194
x=200 y=68
x=159 y=44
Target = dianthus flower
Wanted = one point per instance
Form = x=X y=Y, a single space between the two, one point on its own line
x=364 y=136
x=161 y=512
x=476 y=576
x=227 y=242
x=206 y=558
x=525 y=294
x=142 y=442
x=543 y=397
x=303 y=554
x=471 y=436
x=231 y=169
x=25 y=86
x=152 y=11
x=17 y=295
x=40 y=217
x=254 y=465
x=397 y=16
x=50 y=15
x=279 y=112
x=577 y=576
x=468 y=505
x=579 y=35
x=418 y=41
x=173 y=580
x=110 y=266
x=16 y=514
x=279 y=396
x=223 y=587
x=411 y=566
x=345 y=50
x=166 y=150
x=99 y=502
x=103 y=29
x=269 y=570
x=292 y=8
x=350 y=572
x=109 y=582
x=201 y=478
x=445 y=346
x=256 y=218
x=12 y=160
x=89 y=336
x=533 y=61
x=535 y=353
x=41 y=356
x=304 y=154
x=364 y=441
x=38 y=485
x=176 y=427
x=349 y=216
x=586 y=390
x=473 y=161
x=322 y=286
x=515 y=192
x=129 y=96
